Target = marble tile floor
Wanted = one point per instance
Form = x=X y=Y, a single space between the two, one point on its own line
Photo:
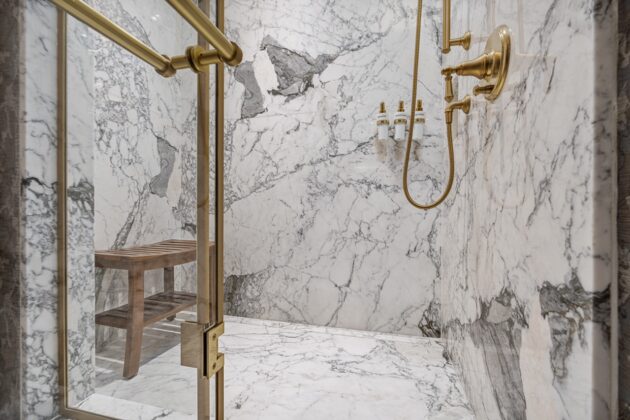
x=277 y=370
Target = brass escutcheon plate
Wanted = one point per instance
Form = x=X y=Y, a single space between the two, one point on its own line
x=499 y=41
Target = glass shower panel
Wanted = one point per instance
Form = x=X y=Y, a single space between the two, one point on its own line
x=131 y=218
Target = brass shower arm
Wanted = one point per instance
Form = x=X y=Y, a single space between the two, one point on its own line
x=447 y=41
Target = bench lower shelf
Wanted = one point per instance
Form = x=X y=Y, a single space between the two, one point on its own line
x=156 y=307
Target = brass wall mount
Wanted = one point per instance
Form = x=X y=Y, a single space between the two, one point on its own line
x=447 y=41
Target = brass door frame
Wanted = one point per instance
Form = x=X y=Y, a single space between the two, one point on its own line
x=209 y=297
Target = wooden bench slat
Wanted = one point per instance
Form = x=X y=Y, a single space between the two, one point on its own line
x=156 y=307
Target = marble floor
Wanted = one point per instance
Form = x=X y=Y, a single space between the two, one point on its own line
x=276 y=370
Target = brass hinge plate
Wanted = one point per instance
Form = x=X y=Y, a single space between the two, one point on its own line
x=200 y=347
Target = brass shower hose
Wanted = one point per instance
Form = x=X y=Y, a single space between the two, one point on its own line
x=449 y=131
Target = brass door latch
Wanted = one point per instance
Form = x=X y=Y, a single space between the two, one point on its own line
x=200 y=347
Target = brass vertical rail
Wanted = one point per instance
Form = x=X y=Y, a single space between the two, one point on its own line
x=61 y=204
x=219 y=201
x=204 y=292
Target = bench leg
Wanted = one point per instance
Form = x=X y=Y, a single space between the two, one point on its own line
x=169 y=284
x=135 y=324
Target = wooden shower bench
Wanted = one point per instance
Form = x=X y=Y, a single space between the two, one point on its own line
x=140 y=311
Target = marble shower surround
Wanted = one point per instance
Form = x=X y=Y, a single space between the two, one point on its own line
x=527 y=289
x=317 y=229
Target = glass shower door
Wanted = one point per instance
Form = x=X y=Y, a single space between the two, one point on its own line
x=138 y=256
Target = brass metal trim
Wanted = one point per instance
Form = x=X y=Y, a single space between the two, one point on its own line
x=491 y=67
x=500 y=44
x=400 y=121
x=382 y=122
x=219 y=203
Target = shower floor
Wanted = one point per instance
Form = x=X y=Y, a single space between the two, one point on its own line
x=276 y=370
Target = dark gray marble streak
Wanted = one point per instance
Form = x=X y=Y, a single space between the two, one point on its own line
x=10 y=172
x=295 y=71
x=623 y=205
x=253 y=99
x=567 y=307
x=497 y=333
x=168 y=153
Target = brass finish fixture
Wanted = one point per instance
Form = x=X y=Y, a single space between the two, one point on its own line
x=382 y=109
x=482 y=90
x=447 y=41
x=401 y=106
x=448 y=87
x=419 y=105
x=195 y=341
x=219 y=203
x=491 y=67
x=229 y=52
x=499 y=41
x=464 y=105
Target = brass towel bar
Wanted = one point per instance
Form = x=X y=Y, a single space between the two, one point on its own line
x=196 y=57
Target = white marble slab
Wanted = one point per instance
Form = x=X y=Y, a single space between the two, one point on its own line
x=279 y=371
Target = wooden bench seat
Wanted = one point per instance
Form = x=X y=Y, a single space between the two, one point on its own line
x=139 y=311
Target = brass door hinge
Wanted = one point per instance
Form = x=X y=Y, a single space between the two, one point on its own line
x=200 y=347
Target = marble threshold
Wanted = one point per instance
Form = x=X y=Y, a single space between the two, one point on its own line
x=282 y=371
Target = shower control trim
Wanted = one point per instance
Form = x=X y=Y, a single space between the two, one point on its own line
x=491 y=67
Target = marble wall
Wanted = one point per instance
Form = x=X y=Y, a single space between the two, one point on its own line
x=623 y=206
x=317 y=228
x=530 y=270
x=10 y=172
x=39 y=214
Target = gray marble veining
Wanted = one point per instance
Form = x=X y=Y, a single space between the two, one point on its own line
x=317 y=229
